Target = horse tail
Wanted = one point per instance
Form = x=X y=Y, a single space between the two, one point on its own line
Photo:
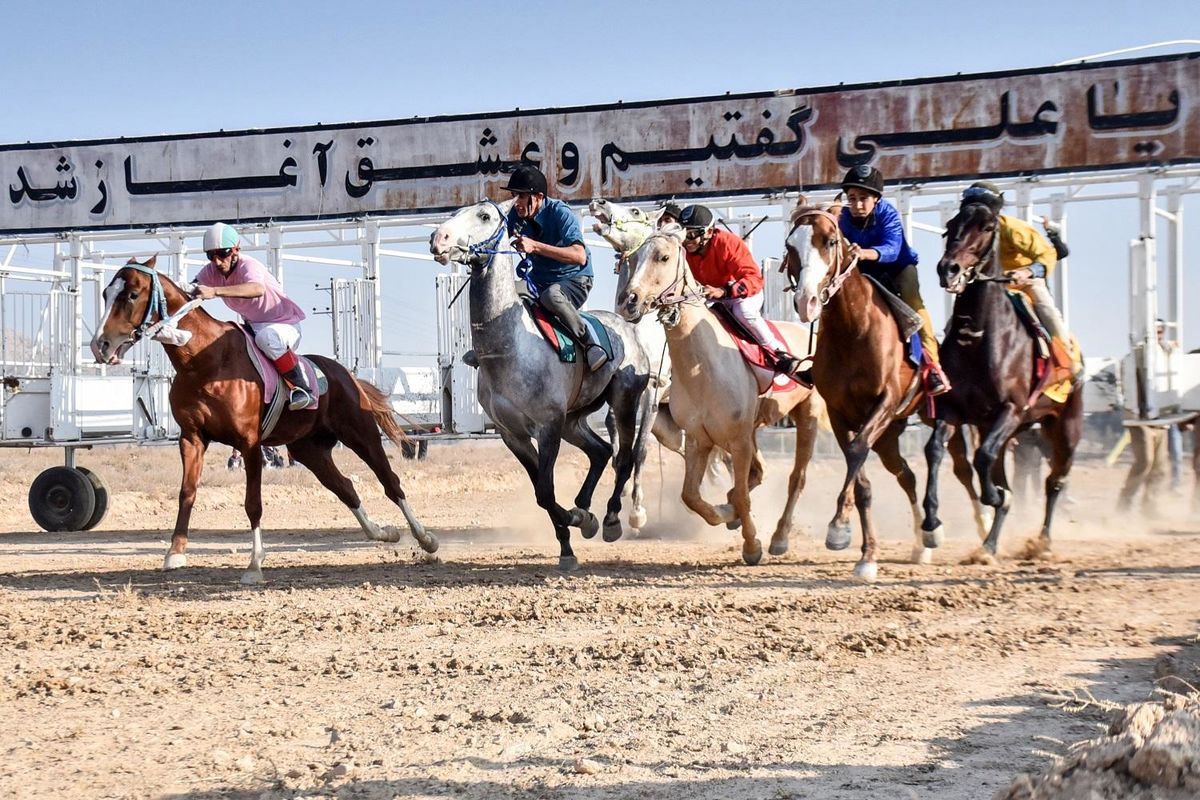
x=374 y=401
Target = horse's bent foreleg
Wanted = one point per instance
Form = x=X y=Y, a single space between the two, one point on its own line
x=191 y=451
x=598 y=451
x=695 y=462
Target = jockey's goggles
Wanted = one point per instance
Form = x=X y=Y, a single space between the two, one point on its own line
x=213 y=255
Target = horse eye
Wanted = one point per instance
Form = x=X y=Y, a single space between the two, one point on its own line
x=485 y=216
x=664 y=257
x=133 y=295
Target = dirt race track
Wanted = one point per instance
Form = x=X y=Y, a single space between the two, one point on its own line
x=662 y=669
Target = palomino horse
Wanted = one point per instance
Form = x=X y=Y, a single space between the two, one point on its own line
x=530 y=394
x=860 y=368
x=989 y=357
x=217 y=396
x=715 y=393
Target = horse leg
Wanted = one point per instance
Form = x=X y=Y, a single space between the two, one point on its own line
x=744 y=454
x=935 y=449
x=806 y=438
x=989 y=465
x=867 y=567
x=628 y=403
x=598 y=451
x=191 y=452
x=667 y=431
x=888 y=448
x=758 y=468
x=984 y=516
x=855 y=448
x=369 y=448
x=1061 y=434
x=317 y=456
x=549 y=440
x=252 y=458
x=695 y=462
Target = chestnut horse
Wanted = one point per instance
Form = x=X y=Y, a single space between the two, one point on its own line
x=989 y=357
x=860 y=368
x=217 y=396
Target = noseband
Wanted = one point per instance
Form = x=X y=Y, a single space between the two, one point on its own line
x=832 y=282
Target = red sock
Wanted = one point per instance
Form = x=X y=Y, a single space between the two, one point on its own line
x=286 y=362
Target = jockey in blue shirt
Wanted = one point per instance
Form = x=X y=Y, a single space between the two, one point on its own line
x=547 y=233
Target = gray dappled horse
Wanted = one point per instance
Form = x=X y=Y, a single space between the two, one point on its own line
x=534 y=399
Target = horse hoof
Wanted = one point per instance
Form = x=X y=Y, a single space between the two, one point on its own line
x=568 y=563
x=252 y=577
x=982 y=556
x=389 y=534
x=837 y=537
x=637 y=518
x=427 y=541
x=934 y=537
x=752 y=557
x=921 y=555
x=612 y=531
x=175 y=561
x=778 y=546
x=586 y=522
x=734 y=524
x=866 y=571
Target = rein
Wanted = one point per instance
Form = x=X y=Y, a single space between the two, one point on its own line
x=488 y=247
x=158 y=305
x=992 y=253
x=841 y=273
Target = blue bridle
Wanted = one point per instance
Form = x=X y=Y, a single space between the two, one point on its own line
x=488 y=247
x=158 y=300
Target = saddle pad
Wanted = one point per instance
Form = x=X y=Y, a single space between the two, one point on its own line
x=754 y=353
x=908 y=320
x=559 y=339
x=271 y=378
x=1059 y=391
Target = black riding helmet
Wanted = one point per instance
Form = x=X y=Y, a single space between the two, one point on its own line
x=527 y=178
x=696 y=216
x=864 y=177
x=672 y=209
x=984 y=192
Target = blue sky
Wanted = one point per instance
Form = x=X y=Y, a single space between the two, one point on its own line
x=81 y=70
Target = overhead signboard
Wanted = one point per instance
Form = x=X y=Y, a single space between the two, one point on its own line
x=1099 y=116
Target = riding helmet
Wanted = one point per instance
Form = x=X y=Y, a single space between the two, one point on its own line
x=220 y=236
x=527 y=179
x=864 y=177
x=696 y=216
x=672 y=209
x=984 y=192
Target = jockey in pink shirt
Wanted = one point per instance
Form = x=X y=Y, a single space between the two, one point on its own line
x=252 y=291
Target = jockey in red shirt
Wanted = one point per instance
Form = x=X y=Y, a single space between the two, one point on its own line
x=726 y=269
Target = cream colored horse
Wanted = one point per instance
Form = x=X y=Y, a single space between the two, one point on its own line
x=714 y=393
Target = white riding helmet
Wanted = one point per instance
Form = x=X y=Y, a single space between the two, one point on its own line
x=220 y=236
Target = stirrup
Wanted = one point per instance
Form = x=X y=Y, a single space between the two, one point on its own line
x=299 y=399
x=937 y=383
x=597 y=362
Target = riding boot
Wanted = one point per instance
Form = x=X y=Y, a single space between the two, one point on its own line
x=301 y=396
x=936 y=381
x=594 y=353
x=787 y=364
x=1062 y=364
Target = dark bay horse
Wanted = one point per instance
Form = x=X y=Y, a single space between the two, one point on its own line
x=860 y=368
x=989 y=356
x=217 y=396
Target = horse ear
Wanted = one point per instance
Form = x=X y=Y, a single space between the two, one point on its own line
x=152 y=261
x=835 y=205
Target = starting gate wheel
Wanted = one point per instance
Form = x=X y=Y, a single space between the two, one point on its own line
x=101 y=498
x=62 y=499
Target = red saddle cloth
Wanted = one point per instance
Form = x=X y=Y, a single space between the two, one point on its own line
x=755 y=354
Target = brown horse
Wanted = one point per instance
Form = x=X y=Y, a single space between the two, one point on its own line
x=989 y=357
x=217 y=396
x=861 y=370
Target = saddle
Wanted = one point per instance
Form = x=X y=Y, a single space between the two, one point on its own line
x=757 y=356
x=274 y=401
x=560 y=339
x=1057 y=391
x=908 y=321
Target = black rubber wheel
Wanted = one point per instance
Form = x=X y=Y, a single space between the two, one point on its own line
x=62 y=499
x=101 y=498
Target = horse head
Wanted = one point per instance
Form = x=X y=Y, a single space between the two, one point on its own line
x=814 y=255
x=133 y=300
x=624 y=227
x=473 y=235
x=658 y=275
x=970 y=247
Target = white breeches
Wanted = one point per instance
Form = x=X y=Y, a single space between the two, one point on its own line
x=276 y=338
x=748 y=311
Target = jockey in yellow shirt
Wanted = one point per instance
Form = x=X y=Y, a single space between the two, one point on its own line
x=1027 y=258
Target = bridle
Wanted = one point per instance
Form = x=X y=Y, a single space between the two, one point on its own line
x=679 y=291
x=157 y=305
x=991 y=252
x=834 y=279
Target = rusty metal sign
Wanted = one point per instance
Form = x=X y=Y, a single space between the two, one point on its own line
x=1098 y=116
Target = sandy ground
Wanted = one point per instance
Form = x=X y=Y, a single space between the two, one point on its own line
x=662 y=669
